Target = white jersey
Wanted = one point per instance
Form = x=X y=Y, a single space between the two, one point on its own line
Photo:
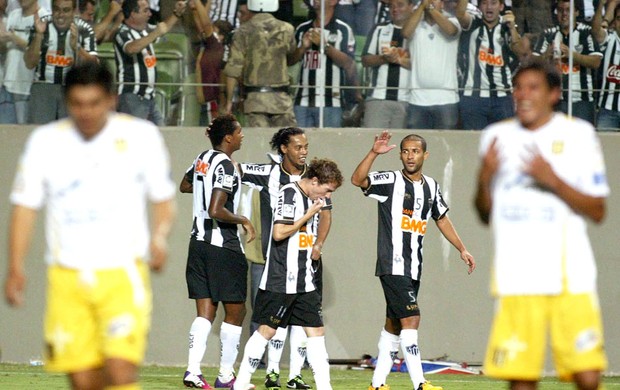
x=541 y=244
x=18 y=78
x=95 y=190
x=433 y=65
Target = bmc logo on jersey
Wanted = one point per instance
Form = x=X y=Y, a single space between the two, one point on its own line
x=150 y=61
x=613 y=74
x=58 y=59
x=490 y=59
x=305 y=240
x=202 y=167
x=413 y=225
x=564 y=68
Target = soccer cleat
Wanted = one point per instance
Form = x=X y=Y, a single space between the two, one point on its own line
x=427 y=386
x=224 y=385
x=272 y=381
x=297 y=383
x=382 y=387
x=195 y=381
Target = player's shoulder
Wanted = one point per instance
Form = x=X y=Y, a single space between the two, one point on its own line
x=573 y=125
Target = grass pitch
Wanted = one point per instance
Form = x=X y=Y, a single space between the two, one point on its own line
x=22 y=376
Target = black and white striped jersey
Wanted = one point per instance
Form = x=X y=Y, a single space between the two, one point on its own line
x=136 y=73
x=212 y=171
x=404 y=211
x=383 y=12
x=339 y=35
x=486 y=60
x=610 y=86
x=289 y=267
x=388 y=75
x=57 y=55
x=224 y=10
x=268 y=179
x=583 y=43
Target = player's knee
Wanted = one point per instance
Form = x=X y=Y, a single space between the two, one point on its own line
x=589 y=380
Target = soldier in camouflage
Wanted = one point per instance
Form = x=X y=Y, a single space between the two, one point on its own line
x=258 y=57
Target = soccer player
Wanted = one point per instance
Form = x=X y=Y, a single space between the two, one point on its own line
x=538 y=199
x=95 y=172
x=412 y=198
x=216 y=264
x=288 y=294
x=291 y=145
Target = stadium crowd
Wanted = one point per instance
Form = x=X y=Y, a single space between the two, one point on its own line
x=407 y=63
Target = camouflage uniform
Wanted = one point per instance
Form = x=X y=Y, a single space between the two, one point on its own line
x=258 y=53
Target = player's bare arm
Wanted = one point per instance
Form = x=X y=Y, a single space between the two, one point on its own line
x=483 y=200
x=282 y=231
x=187 y=185
x=163 y=218
x=325 y=223
x=219 y=212
x=380 y=146
x=541 y=171
x=20 y=234
x=449 y=232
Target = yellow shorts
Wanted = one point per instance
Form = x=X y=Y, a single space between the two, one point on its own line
x=518 y=340
x=97 y=315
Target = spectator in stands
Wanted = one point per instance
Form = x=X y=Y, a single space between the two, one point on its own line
x=489 y=47
x=259 y=54
x=387 y=57
x=86 y=11
x=210 y=60
x=609 y=100
x=17 y=77
x=433 y=45
x=339 y=67
x=108 y=26
x=136 y=59
x=586 y=59
x=359 y=14
x=224 y=10
x=53 y=49
x=532 y=16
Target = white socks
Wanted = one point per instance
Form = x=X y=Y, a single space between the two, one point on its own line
x=230 y=336
x=318 y=359
x=388 y=348
x=276 y=347
x=198 y=334
x=299 y=342
x=253 y=352
x=409 y=346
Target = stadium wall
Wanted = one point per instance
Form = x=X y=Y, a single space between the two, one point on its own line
x=456 y=307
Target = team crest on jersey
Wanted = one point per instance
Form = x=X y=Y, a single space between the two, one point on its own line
x=288 y=211
x=228 y=181
x=557 y=147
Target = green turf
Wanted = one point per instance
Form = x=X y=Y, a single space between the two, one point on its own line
x=21 y=376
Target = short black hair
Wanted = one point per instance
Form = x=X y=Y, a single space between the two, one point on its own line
x=130 y=6
x=220 y=127
x=90 y=73
x=538 y=64
x=283 y=137
x=82 y=4
x=414 y=137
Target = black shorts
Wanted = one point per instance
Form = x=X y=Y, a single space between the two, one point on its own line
x=216 y=273
x=280 y=309
x=401 y=296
